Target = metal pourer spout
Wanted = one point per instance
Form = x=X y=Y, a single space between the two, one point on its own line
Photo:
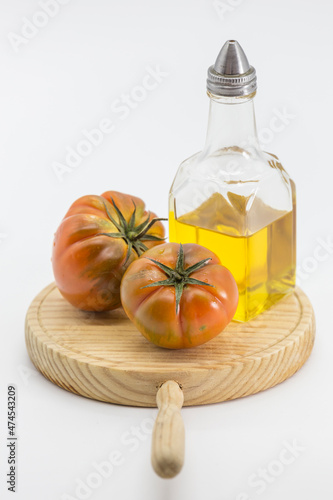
x=231 y=75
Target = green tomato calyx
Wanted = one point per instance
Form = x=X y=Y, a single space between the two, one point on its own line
x=179 y=277
x=133 y=235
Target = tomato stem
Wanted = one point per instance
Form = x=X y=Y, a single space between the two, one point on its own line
x=133 y=235
x=179 y=277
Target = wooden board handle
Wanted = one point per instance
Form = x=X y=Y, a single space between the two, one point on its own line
x=168 y=445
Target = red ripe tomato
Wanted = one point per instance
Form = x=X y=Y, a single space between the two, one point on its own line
x=95 y=243
x=179 y=295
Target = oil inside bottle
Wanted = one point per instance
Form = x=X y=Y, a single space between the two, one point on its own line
x=262 y=261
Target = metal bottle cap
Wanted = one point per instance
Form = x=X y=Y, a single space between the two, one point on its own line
x=231 y=75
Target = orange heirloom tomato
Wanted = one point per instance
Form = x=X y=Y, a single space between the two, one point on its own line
x=179 y=295
x=95 y=243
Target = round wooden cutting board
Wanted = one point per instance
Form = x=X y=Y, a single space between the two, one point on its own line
x=103 y=356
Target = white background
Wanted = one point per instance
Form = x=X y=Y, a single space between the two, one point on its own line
x=64 y=79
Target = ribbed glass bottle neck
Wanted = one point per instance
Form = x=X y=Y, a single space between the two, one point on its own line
x=231 y=123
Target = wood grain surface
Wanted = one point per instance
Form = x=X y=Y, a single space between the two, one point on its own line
x=168 y=443
x=103 y=356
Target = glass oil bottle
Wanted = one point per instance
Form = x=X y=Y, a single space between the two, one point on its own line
x=234 y=198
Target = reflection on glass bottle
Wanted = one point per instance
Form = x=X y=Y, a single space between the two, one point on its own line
x=234 y=198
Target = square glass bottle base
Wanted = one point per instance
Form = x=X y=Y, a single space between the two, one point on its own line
x=263 y=264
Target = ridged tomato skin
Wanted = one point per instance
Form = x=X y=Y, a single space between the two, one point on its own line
x=203 y=311
x=87 y=265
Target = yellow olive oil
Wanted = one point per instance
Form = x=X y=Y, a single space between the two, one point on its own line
x=262 y=262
